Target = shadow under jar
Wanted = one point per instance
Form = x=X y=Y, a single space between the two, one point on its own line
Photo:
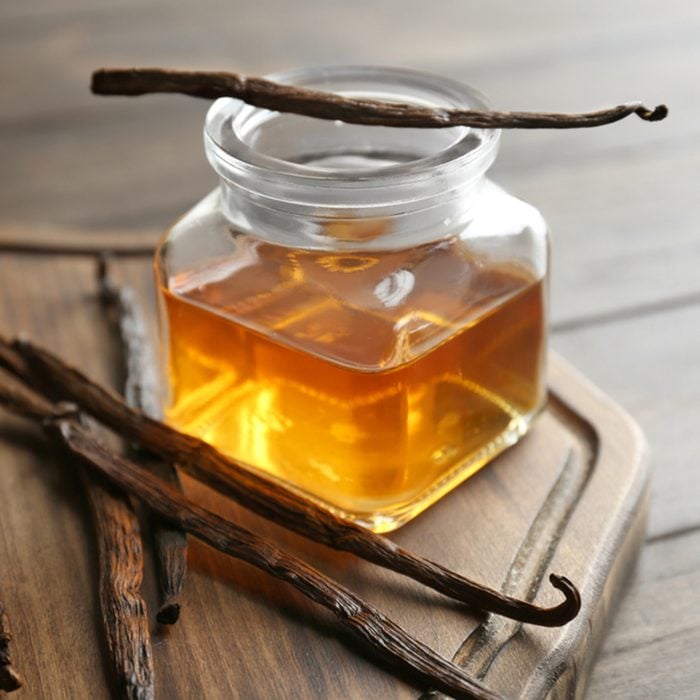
x=355 y=310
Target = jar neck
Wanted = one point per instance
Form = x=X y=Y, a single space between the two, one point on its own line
x=316 y=184
x=386 y=227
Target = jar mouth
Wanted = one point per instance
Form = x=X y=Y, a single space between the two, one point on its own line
x=292 y=159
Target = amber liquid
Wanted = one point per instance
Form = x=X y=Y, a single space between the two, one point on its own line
x=374 y=413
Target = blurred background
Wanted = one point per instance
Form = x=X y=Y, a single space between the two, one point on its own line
x=76 y=160
x=621 y=200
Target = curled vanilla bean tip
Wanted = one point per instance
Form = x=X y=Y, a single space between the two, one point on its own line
x=652 y=115
x=169 y=613
x=571 y=606
x=10 y=680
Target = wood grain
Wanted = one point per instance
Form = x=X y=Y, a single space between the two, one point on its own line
x=120 y=574
x=659 y=353
x=647 y=630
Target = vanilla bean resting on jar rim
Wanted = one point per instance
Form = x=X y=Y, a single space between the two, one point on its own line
x=356 y=310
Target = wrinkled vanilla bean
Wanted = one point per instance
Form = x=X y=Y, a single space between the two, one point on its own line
x=271 y=499
x=120 y=561
x=140 y=382
x=10 y=680
x=124 y=614
x=326 y=105
x=377 y=632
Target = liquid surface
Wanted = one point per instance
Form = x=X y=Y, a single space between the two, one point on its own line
x=375 y=394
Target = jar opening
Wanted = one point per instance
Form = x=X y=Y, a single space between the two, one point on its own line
x=332 y=148
x=286 y=163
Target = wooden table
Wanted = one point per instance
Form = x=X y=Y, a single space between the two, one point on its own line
x=621 y=202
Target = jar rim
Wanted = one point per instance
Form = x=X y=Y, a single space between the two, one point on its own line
x=465 y=159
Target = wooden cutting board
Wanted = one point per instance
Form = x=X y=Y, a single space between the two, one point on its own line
x=571 y=498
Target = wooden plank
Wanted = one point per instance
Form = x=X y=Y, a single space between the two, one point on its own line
x=650 y=364
x=41 y=13
x=618 y=239
x=86 y=182
x=651 y=650
x=56 y=241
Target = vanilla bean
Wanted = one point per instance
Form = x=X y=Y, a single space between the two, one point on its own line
x=120 y=561
x=124 y=613
x=141 y=392
x=9 y=678
x=271 y=499
x=140 y=376
x=377 y=632
x=267 y=94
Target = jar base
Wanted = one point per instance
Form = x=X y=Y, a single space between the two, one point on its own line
x=390 y=518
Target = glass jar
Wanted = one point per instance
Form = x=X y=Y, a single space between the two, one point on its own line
x=355 y=310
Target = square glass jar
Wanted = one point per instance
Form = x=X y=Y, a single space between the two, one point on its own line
x=356 y=311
